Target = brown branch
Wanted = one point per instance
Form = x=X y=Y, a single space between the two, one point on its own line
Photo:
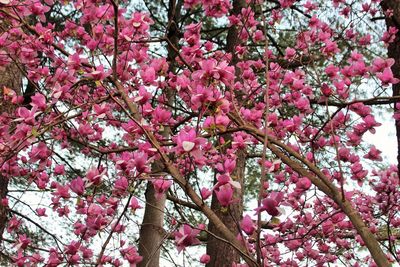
x=305 y=168
x=373 y=101
x=182 y=202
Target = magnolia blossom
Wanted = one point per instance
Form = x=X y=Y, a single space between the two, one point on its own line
x=186 y=236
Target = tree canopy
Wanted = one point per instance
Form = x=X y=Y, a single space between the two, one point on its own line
x=132 y=132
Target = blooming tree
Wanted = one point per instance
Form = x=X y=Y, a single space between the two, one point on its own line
x=142 y=125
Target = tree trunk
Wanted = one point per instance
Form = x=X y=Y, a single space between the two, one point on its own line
x=151 y=232
x=221 y=253
x=10 y=77
x=394 y=52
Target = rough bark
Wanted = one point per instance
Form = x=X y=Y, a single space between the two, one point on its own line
x=394 y=52
x=221 y=253
x=10 y=77
x=151 y=231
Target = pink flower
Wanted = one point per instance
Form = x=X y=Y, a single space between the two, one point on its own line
x=23 y=242
x=161 y=186
x=303 y=184
x=211 y=69
x=61 y=191
x=188 y=142
x=41 y=212
x=327 y=227
x=332 y=71
x=134 y=204
x=219 y=122
x=140 y=161
x=227 y=167
x=59 y=170
x=161 y=116
x=186 y=236
x=379 y=64
x=370 y=123
x=271 y=203
x=224 y=194
x=13 y=224
x=386 y=77
x=290 y=53
x=205 y=258
x=205 y=193
x=26 y=115
x=226 y=179
x=247 y=225
x=148 y=75
x=72 y=248
x=98 y=74
x=374 y=154
x=121 y=186
x=77 y=186
x=101 y=110
x=39 y=101
x=94 y=176
x=131 y=255
x=389 y=35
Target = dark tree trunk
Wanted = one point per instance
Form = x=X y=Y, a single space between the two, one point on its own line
x=394 y=52
x=10 y=77
x=152 y=234
x=151 y=231
x=221 y=253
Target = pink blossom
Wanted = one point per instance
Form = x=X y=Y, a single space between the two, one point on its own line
x=23 y=242
x=26 y=115
x=247 y=225
x=271 y=203
x=389 y=36
x=59 y=170
x=370 y=123
x=205 y=258
x=374 y=154
x=61 y=191
x=188 y=142
x=41 y=212
x=94 y=176
x=77 y=186
x=101 y=110
x=365 y=40
x=134 y=204
x=219 y=122
x=148 y=75
x=224 y=194
x=290 y=53
x=303 y=184
x=380 y=64
x=13 y=224
x=121 y=186
x=227 y=167
x=185 y=237
x=386 y=77
x=205 y=193
x=39 y=101
x=131 y=255
x=161 y=186
x=98 y=74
